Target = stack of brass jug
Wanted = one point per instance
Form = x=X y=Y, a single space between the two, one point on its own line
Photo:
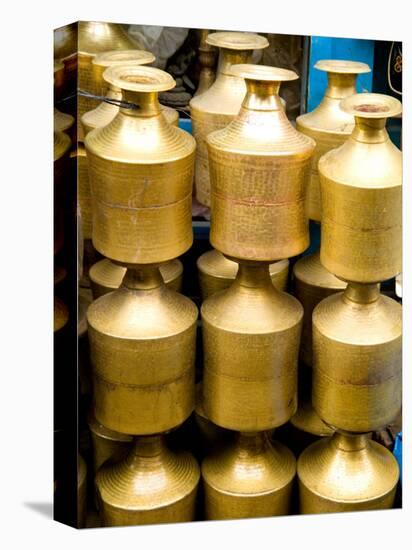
x=259 y=165
x=330 y=127
x=357 y=333
x=142 y=334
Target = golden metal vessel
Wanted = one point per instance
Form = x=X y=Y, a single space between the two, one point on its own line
x=105 y=112
x=62 y=121
x=251 y=337
x=58 y=74
x=141 y=170
x=207 y=60
x=328 y=125
x=361 y=187
x=346 y=473
x=95 y=37
x=60 y=314
x=107 y=444
x=105 y=276
x=84 y=197
x=65 y=52
x=142 y=342
x=249 y=478
x=216 y=272
x=357 y=354
x=259 y=166
x=307 y=420
x=216 y=107
x=312 y=283
x=152 y=485
x=211 y=435
x=81 y=491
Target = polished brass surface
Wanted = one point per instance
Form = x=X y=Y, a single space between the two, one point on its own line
x=312 y=283
x=361 y=187
x=107 y=444
x=328 y=125
x=83 y=303
x=105 y=112
x=207 y=60
x=259 y=165
x=60 y=315
x=216 y=107
x=58 y=73
x=65 y=41
x=96 y=37
x=249 y=478
x=105 y=276
x=346 y=473
x=142 y=342
x=152 y=485
x=307 y=420
x=62 y=121
x=81 y=491
x=141 y=171
x=357 y=363
x=84 y=197
x=251 y=337
x=211 y=436
x=216 y=272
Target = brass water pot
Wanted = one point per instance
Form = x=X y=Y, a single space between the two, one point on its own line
x=60 y=314
x=361 y=188
x=312 y=283
x=61 y=148
x=84 y=197
x=217 y=106
x=105 y=276
x=105 y=112
x=328 y=125
x=95 y=37
x=62 y=121
x=251 y=337
x=65 y=49
x=210 y=435
x=152 y=485
x=357 y=359
x=140 y=170
x=207 y=61
x=216 y=272
x=346 y=473
x=259 y=166
x=142 y=343
x=107 y=444
x=248 y=478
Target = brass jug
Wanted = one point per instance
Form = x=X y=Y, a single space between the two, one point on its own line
x=152 y=485
x=211 y=435
x=312 y=283
x=249 y=478
x=142 y=343
x=58 y=75
x=105 y=276
x=207 y=61
x=216 y=107
x=62 y=121
x=346 y=473
x=328 y=125
x=216 y=272
x=251 y=337
x=95 y=37
x=140 y=170
x=81 y=492
x=105 y=112
x=84 y=197
x=259 y=166
x=361 y=188
x=107 y=444
x=60 y=314
x=65 y=49
x=357 y=348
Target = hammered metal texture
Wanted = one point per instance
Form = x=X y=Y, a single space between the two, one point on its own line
x=346 y=473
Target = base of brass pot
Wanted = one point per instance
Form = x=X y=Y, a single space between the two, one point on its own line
x=152 y=485
x=107 y=444
x=346 y=473
x=312 y=283
x=106 y=276
x=216 y=272
x=248 y=479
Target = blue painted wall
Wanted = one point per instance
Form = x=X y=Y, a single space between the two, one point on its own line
x=336 y=48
